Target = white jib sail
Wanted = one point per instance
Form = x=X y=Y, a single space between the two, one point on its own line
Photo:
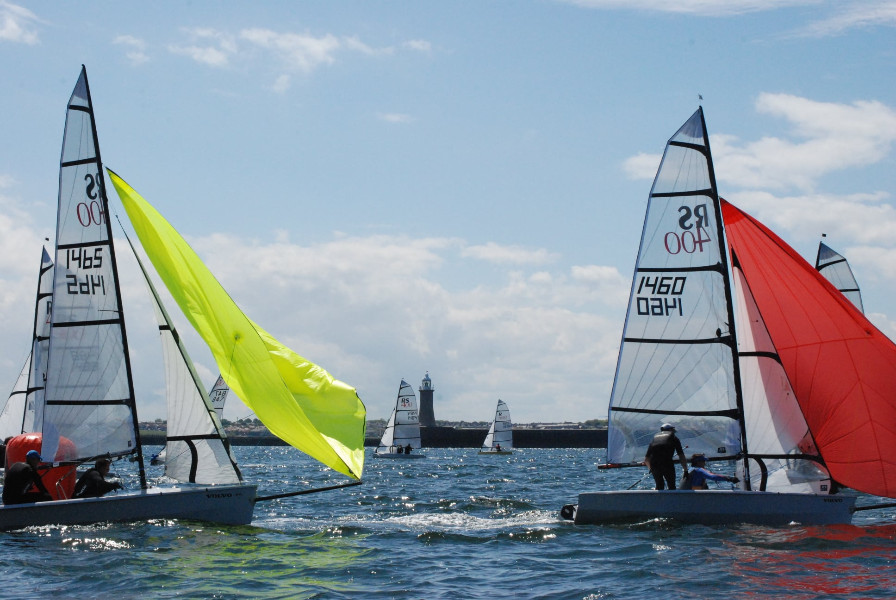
x=778 y=439
x=403 y=428
x=836 y=269
x=89 y=395
x=196 y=450
x=676 y=361
x=500 y=432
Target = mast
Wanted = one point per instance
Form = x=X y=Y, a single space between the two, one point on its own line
x=729 y=303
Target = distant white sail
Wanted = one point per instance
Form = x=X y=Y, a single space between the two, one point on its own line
x=403 y=428
x=500 y=432
x=218 y=396
x=836 y=269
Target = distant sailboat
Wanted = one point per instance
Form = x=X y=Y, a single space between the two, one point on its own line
x=796 y=390
x=499 y=439
x=401 y=437
x=836 y=269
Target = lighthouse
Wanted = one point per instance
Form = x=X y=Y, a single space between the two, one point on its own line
x=427 y=418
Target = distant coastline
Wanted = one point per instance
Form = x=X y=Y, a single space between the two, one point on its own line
x=438 y=437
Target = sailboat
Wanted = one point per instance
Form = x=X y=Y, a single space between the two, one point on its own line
x=88 y=407
x=402 y=434
x=17 y=416
x=794 y=387
x=836 y=269
x=499 y=439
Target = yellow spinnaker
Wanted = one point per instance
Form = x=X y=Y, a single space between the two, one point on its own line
x=297 y=400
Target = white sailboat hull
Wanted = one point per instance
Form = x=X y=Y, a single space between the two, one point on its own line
x=398 y=456
x=714 y=507
x=225 y=504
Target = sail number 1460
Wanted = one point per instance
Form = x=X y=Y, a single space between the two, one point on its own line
x=668 y=288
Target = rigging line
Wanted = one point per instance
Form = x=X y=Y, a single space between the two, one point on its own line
x=303 y=492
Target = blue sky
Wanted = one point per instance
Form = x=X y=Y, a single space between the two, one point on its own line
x=392 y=188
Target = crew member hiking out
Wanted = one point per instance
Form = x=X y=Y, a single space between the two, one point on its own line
x=660 y=457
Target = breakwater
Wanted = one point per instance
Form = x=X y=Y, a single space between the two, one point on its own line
x=446 y=437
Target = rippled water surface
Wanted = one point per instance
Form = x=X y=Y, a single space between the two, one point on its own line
x=453 y=525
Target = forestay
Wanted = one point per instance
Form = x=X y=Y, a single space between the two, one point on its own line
x=89 y=396
x=677 y=358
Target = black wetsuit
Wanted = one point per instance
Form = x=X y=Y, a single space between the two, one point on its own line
x=18 y=480
x=92 y=484
x=661 y=455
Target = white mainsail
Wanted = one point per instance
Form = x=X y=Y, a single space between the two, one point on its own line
x=836 y=269
x=677 y=358
x=500 y=432
x=18 y=416
x=403 y=428
x=89 y=396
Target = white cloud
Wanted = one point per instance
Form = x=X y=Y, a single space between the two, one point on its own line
x=828 y=137
x=208 y=46
x=282 y=83
x=499 y=254
x=642 y=165
x=17 y=24
x=418 y=45
x=300 y=52
x=136 y=48
x=395 y=118
x=709 y=8
x=854 y=15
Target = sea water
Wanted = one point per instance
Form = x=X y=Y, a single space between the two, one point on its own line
x=454 y=525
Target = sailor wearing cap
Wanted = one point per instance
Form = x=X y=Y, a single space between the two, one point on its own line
x=20 y=477
x=660 y=457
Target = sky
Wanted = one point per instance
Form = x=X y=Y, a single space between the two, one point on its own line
x=458 y=188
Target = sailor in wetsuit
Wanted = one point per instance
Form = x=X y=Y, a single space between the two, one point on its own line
x=19 y=480
x=93 y=484
x=660 y=457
